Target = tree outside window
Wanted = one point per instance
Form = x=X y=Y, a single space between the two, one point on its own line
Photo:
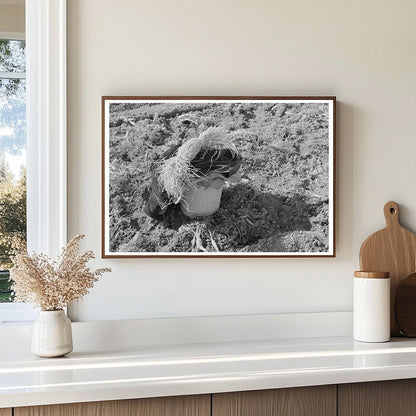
x=12 y=156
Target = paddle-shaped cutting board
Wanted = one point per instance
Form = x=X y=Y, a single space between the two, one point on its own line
x=393 y=250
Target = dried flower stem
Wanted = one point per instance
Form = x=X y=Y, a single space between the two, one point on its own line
x=53 y=285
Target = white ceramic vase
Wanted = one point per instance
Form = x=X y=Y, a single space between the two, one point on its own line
x=52 y=334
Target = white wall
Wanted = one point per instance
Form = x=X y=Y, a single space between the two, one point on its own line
x=361 y=51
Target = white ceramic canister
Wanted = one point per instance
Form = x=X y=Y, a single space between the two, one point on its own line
x=371 y=322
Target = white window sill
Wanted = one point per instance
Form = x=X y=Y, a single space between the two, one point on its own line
x=16 y=313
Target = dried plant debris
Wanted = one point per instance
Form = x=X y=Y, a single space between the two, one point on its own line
x=203 y=161
x=53 y=285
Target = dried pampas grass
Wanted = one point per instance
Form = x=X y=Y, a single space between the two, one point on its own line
x=176 y=174
x=53 y=285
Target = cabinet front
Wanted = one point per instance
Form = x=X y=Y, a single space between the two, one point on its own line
x=300 y=401
x=381 y=398
x=161 y=406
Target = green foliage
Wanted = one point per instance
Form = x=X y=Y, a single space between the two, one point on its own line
x=12 y=213
x=12 y=59
x=13 y=141
x=12 y=55
x=12 y=98
x=6 y=294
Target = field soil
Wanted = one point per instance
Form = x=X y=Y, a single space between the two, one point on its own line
x=281 y=203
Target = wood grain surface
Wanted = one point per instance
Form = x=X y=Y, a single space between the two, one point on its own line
x=405 y=306
x=5 y=412
x=300 y=401
x=161 y=406
x=372 y=275
x=392 y=250
x=383 y=398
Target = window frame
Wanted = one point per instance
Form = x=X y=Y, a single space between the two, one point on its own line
x=46 y=125
x=46 y=138
x=12 y=35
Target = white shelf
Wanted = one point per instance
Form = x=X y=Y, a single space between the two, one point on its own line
x=150 y=371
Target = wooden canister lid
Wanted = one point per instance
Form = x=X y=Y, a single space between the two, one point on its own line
x=372 y=275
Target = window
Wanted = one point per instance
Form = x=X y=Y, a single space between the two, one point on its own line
x=46 y=133
x=12 y=165
x=12 y=155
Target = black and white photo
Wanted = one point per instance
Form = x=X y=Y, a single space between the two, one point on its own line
x=218 y=176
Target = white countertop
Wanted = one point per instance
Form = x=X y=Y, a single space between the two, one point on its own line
x=150 y=371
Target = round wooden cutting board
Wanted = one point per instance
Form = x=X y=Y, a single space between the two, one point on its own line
x=393 y=250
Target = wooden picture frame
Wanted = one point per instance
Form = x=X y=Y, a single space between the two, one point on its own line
x=233 y=176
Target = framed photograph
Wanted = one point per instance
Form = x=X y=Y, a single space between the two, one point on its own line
x=218 y=176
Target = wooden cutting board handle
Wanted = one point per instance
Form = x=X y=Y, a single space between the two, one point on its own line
x=391 y=214
x=393 y=250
